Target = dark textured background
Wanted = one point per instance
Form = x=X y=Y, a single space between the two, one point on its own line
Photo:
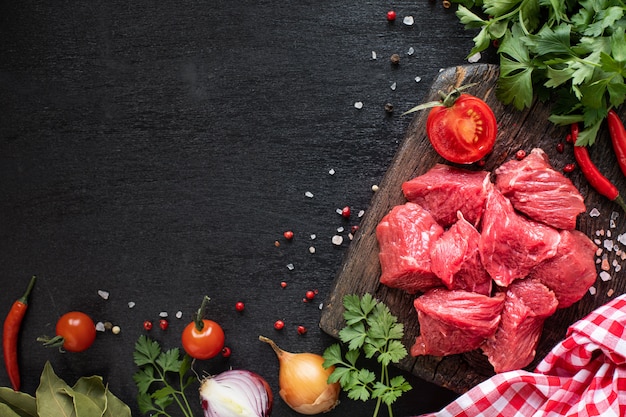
x=158 y=150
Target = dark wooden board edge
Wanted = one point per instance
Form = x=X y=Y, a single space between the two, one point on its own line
x=525 y=129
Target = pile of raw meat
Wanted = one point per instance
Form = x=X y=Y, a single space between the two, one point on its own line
x=490 y=261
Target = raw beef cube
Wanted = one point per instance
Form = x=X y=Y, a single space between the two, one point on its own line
x=455 y=321
x=404 y=236
x=572 y=271
x=444 y=190
x=510 y=244
x=539 y=191
x=455 y=259
x=527 y=305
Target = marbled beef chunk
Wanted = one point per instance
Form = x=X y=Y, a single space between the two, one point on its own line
x=404 y=236
x=572 y=271
x=444 y=190
x=539 y=191
x=510 y=244
x=527 y=305
x=455 y=321
x=455 y=259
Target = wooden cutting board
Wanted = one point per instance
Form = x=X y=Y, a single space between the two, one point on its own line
x=526 y=130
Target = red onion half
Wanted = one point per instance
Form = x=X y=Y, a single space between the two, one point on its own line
x=236 y=393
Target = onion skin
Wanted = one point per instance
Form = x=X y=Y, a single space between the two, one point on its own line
x=304 y=381
x=236 y=393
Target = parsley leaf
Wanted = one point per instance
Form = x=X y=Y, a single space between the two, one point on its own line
x=373 y=330
x=157 y=371
x=575 y=50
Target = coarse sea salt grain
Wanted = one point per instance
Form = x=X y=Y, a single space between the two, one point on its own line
x=340 y=229
x=131 y=304
x=622 y=238
x=594 y=212
x=163 y=314
x=290 y=267
x=474 y=58
x=408 y=20
x=179 y=314
x=608 y=244
x=411 y=51
x=592 y=290
x=337 y=240
x=361 y=213
x=418 y=79
x=605 y=276
x=100 y=326
x=311 y=249
x=331 y=171
x=358 y=105
x=313 y=236
x=374 y=55
x=103 y=294
x=393 y=86
x=308 y=194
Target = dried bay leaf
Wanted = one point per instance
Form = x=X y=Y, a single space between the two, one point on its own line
x=51 y=399
x=22 y=404
x=115 y=407
x=6 y=411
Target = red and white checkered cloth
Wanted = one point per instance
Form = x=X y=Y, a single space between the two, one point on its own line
x=584 y=375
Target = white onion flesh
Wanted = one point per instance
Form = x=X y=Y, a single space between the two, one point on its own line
x=236 y=393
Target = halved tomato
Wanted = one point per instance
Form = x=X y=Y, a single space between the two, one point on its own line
x=463 y=129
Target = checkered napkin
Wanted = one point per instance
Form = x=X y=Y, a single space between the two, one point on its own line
x=584 y=375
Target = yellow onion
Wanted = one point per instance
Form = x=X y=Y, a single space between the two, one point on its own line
x=303 y=381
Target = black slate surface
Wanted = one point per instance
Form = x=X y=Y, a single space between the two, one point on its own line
x=157 y=151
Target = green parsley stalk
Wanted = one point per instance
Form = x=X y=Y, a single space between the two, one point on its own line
x=370 y=329
x=571 y=52
x=162 y=378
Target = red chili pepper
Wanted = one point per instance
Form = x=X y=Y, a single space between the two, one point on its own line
x=618 y=138
x=10 y=335
x=598 y=181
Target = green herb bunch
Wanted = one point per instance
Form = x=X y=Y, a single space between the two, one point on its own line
x=162 y=378
x=572 y=52
x=370 y=329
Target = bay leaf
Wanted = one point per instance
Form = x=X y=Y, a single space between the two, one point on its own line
x=6 y=411
x=51 y=400
x=115 y=407
x=21 y=403
x=93 y=388
x=85 y=405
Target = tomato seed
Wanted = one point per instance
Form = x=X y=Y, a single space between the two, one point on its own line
x=301 y=330
x=391 y=15
x=288 y=235
x=568 y=138
x=345 y=212
x=310 y=295
x=239 y=306
x=283 y=284
x=163 y=324
x=147 y=325
x=226 y=352
x=279 y=324
x=521 y=154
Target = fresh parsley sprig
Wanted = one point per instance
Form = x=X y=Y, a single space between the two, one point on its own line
x=159 y=372
x=573 y=52
x=373 y=330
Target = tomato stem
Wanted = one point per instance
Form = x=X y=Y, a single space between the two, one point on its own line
x=199 y=315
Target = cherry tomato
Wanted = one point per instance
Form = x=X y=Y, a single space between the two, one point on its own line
x=205 y=343
x=77 y=330
x=463 y=130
